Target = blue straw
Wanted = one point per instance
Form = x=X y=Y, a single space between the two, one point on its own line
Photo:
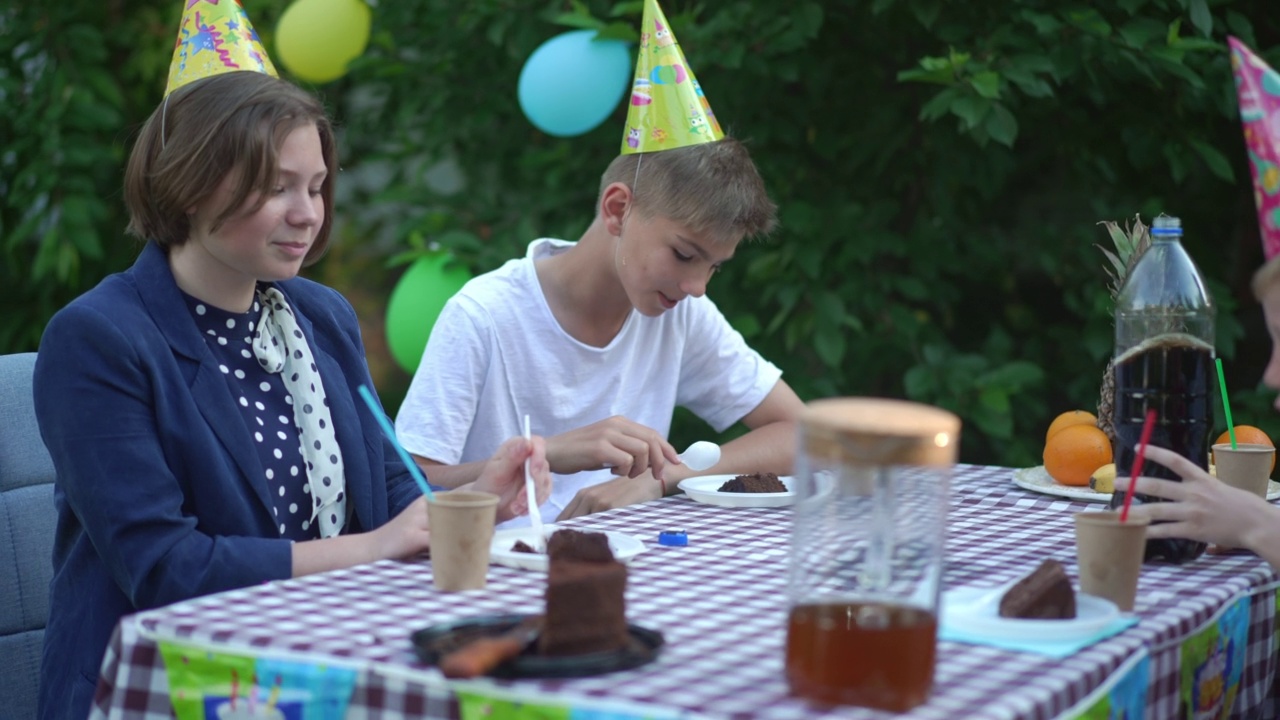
x=390 y=432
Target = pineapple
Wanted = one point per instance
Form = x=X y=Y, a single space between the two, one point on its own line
x=1130 y=242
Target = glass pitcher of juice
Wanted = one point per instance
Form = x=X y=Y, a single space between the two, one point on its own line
x=872 y=480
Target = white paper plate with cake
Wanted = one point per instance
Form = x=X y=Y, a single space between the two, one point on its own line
x=707 y=489
x=1037 y=479
x=1040 y=606
x=503 y=549
x=976 y=610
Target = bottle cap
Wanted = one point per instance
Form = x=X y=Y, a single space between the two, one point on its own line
x=1166 y=226
x=673 y=538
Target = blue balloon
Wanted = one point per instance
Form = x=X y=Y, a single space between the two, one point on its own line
x=571 y=83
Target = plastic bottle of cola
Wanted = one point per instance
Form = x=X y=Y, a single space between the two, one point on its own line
x=1164 y=360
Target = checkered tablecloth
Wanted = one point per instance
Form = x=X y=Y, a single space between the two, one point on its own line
x=721 y=603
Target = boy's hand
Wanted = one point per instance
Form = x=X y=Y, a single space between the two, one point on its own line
x=616 y=493
x=625 y=447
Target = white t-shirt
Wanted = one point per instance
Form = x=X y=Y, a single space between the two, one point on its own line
x=496 y=353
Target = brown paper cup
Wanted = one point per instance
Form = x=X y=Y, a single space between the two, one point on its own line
x=1109 y=554
x=1247 y=467
x=461 y=530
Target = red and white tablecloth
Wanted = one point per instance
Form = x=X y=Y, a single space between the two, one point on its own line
x=721 y=604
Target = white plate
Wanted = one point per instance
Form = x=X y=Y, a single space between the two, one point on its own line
x=977 y=611
x=624 y=547
x=1037 y=479
x=706 y=489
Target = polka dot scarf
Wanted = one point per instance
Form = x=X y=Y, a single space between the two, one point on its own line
x=281 y=348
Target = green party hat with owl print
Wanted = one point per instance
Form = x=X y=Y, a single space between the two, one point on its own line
x=668 y=109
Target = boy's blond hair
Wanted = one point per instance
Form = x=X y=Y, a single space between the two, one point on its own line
x=709 y=187
x=1266 y=277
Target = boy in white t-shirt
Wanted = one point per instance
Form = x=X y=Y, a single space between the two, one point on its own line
x=598 y=341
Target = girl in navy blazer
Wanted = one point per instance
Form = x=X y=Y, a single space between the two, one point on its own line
x=201 y=407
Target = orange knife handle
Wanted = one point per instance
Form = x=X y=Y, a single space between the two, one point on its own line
x=480 y=656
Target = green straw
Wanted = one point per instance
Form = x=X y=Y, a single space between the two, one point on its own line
x=1226 y=404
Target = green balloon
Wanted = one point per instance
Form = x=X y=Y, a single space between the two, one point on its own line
x=316 y=39
x=416 y=302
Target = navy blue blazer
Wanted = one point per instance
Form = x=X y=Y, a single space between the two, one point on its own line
x=160 y=493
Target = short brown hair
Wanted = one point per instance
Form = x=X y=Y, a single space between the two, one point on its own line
x=709 y=187
x=228 y=123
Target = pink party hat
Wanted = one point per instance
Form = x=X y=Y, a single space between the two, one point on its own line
x=1258 y=87
x=668 y=109
x=215 y=37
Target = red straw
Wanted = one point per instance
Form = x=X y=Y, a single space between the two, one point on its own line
x=1137 y=462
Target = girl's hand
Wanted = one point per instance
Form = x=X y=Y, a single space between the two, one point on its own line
x=503 y=475
x=1201 y=507
x=406 y=535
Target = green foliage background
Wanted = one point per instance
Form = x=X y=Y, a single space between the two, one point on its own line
x=940 y=168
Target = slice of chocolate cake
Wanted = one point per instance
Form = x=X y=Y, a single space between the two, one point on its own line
x=586 y=607
x=1045 y=594
x=579 y=545
x=754 y=483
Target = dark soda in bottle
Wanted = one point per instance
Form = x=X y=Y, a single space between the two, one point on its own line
x=1163 y=361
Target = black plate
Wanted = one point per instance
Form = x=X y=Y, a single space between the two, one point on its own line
x=439 y=640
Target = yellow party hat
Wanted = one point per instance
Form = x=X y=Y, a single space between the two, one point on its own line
x=215 y=37
x=668 y=109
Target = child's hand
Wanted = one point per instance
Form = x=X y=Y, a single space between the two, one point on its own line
x=503 y=476
x=625 y=447
x=405 y=535
x=616 y=493
x=1201 y=507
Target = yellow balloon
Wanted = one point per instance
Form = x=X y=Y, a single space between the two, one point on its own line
x=317 y=38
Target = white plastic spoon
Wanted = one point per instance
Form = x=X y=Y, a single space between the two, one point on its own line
x=700 y=456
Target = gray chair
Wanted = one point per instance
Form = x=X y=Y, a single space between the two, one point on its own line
x=27 y=520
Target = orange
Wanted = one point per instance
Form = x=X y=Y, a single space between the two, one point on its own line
x=1074 y=452
x=1069 y=418
x=1247 y=434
